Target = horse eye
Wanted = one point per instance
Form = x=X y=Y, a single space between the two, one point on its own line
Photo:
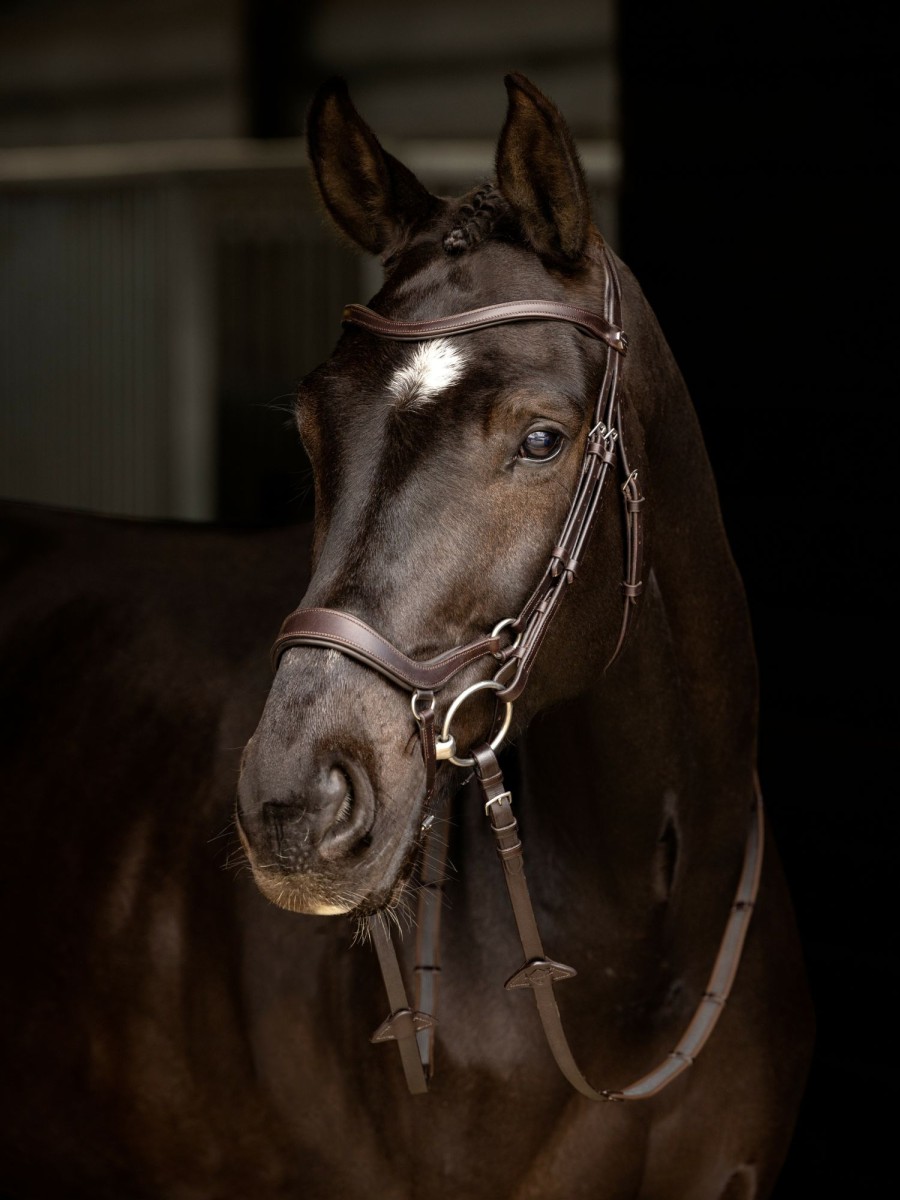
x=540 y=445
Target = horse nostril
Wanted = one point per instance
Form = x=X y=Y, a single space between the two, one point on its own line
x=328 y=814
x=336 y=794
x=351 y=809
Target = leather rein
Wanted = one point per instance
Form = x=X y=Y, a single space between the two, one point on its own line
x=514 y=643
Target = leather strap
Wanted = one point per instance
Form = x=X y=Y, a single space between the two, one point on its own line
x=605 y=445
x=339 y=630
x=427 y=737
x=483 y=318
x=632 y=584
x=404 y=1023
x=539 y=972
x=432 y=872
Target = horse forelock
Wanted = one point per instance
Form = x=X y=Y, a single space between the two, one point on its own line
x=480 y=215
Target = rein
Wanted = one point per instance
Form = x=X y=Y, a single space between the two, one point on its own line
x=515 y=642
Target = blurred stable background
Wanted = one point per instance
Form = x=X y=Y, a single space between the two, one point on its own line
x=166 y=278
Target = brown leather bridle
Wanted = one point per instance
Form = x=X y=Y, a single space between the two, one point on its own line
x=515 y=643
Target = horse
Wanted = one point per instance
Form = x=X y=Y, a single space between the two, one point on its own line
x=466 y=678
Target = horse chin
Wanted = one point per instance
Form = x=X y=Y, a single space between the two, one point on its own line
x=305 y=893
x=320 y=897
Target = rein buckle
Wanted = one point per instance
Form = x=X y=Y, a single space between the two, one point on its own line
x=507 y=796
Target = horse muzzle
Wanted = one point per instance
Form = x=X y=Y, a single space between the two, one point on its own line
x=321 y=831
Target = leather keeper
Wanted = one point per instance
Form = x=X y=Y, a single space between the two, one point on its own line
x=599 y=448
x=567 y=562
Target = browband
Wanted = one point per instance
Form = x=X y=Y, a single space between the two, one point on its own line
x=483 y=318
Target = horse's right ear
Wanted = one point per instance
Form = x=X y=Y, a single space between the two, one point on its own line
x=540 y=174
x=372 y=197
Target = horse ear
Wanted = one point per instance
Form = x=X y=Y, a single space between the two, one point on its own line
x=372 y=197
x=540 y=174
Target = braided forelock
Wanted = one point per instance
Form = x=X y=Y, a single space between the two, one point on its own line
x=477 y=218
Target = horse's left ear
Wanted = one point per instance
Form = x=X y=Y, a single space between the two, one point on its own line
x=371 y=195
x=540 y=174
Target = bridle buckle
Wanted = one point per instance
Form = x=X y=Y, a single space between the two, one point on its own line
x=507 y=796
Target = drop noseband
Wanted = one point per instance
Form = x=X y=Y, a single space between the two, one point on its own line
x=515 y=642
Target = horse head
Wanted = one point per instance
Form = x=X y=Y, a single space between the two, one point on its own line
x=444 y=471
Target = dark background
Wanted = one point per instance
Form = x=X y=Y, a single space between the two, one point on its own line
x=755 y=204
x=759 y=213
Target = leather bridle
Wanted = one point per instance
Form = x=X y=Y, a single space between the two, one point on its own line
x=514 y=643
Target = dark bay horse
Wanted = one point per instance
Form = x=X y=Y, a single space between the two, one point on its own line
x=172 y=1032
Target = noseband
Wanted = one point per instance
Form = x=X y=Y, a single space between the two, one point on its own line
x=514 y=643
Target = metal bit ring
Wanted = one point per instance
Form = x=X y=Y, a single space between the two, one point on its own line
x=446 y=743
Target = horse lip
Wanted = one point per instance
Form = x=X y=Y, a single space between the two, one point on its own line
x=313 y=894
x=309 y=897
